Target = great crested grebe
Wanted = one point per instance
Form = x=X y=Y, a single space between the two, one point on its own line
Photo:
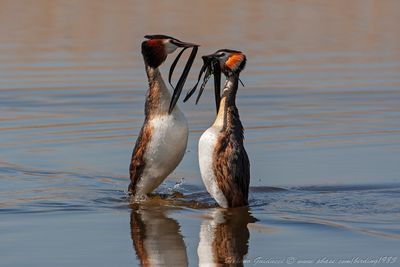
x=163 y=138
x=224 y=164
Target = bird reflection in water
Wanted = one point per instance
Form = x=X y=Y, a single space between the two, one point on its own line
x=156 y=238
x=224 y=237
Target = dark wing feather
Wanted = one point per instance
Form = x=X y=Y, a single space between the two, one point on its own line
x=241 y=175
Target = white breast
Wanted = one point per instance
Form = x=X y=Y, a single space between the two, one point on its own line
x=165 y=150
x=207 y=144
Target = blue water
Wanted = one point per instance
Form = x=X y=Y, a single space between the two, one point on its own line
x=84 y=220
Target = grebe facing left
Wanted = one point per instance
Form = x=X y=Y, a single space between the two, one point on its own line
x=224 y=164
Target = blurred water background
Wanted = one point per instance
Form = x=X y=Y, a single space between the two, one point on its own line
x=320 y=106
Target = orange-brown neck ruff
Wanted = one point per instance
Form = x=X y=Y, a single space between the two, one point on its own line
x=230 y=161
x=154 y=53
x=234 y=64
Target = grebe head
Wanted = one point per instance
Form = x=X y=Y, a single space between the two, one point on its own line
x=155 y=51
x=231 y=62
x=157 y=47
x=227 y=61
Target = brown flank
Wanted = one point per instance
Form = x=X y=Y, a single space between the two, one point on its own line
x=230 y=161
x=231 y=166
x=153 y=55
x=138 y=162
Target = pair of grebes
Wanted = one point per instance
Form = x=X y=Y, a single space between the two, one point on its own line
x=224 y=164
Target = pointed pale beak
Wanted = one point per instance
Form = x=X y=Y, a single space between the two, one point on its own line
x=184 y=44
x=181 y=82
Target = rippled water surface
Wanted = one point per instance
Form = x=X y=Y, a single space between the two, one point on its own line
x=320 y=106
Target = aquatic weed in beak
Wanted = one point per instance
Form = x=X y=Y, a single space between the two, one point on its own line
x=179 y=86
x=210 y=67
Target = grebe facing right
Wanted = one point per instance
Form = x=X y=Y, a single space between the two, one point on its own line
x=163 y=138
